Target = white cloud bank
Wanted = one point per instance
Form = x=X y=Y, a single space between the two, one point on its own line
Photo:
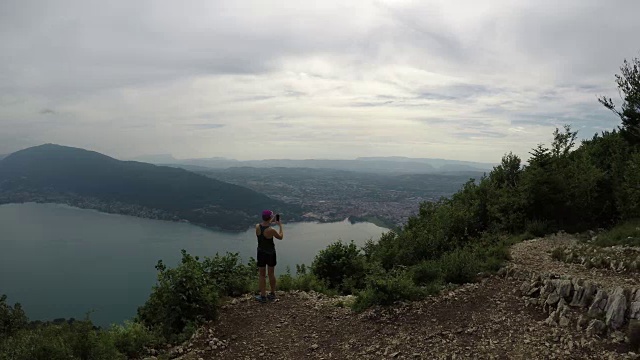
x=304 y=79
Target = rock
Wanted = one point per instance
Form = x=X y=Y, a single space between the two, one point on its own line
x=634 y=335
x=564 y=321
x=616 y=308
x=562 y=305
x=583 y=321
x=314 y=347
x=552 y=299
x=596 y=327
x=235 y=302
x=564 y=288
x=599 y=304
x=150 y=358
x=547 y=288
x=395 y=354
x=502 y=271
x=583 y=295
x=634 y=306
x=533 y=292
x=617 y=336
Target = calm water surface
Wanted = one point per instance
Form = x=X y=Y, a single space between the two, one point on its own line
x=59 y=261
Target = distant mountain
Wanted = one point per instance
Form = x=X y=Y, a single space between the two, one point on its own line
x=51 y=171
x=156 y=158
x=2 y=156
x=443 y=165
x=381 y=165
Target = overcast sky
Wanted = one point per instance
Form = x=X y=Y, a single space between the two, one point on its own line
x=468 y=80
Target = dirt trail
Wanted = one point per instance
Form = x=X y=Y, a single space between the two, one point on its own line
x=536 y=255
x=486 y=320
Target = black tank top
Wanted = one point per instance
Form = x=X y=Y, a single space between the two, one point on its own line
x=264 y=244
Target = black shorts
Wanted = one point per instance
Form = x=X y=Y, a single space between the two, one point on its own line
x=266 y=259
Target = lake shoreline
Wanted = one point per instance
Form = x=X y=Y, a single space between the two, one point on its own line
x=351 y=219
x=61 y=261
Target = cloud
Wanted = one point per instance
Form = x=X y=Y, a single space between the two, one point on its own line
x=205 y=126
x=465 y=79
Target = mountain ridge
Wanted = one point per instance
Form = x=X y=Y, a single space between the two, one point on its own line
x=390 y=164
x=51 y=171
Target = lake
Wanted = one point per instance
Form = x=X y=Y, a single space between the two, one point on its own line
x=59 y=261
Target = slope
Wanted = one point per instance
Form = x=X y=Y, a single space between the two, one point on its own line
x=484 y=320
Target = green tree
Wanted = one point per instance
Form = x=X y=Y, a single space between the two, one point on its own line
x=629 y=87
x=183 y=297
x=504 y=200
x=341 y=266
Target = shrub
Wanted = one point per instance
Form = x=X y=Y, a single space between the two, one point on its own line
x=492 y=252
x=627 y=233
x=340 y=262
x=12 y=318
x=537 y=228
x=182 y=297
x=303 y=281
x=558 y=253
x=426 y=272
x=132 y=338
x=459 y=266
x=387 y=289
x=230 y=276
x=78 y=340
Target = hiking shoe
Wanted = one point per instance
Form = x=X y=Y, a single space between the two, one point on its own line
x=271 y=296
x=261 y=299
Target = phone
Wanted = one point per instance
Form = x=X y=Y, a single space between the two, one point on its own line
x=277 y=217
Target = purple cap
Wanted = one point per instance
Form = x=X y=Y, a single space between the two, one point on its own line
x=267 y=215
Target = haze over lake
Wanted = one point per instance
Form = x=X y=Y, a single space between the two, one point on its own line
x=59 y=261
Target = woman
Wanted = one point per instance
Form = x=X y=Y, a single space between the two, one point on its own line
x=267 y=253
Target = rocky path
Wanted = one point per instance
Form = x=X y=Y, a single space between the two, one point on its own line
x=535 y=255
x=486 y=320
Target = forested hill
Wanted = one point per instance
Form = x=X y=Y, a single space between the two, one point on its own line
x=51 y=171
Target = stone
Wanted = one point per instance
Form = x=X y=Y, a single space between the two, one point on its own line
x=547 y=288
x=395 y=354
x=314 y=347
x=633 y=333
x=634 y=310
x=583 y=321
x=634 y=306
x=564 y=289
x=616 y=308
x=596 y=327
x=599 y=304
x=552 y=299
x=583 y=295
x=533 y=292
x=564 y=321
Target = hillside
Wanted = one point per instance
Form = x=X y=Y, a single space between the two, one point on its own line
x=494 y=318
x=58 y=173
